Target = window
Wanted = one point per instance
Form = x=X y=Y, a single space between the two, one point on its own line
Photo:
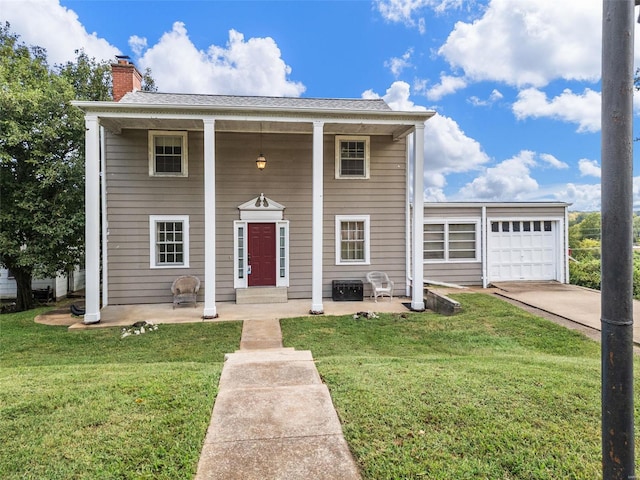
x=169 y=241
x=452 y=240
x=352 y=157
x=167 y=153
x=352 y=240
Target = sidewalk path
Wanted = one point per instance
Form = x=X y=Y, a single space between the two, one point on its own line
x=273 y=417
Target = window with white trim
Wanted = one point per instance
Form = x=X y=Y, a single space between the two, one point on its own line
x=169 y=241
x=352 y=240
x=168 y=153
x=451 y=240
x=352 y=157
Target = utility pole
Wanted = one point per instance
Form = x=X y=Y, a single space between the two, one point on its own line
x=617 y=240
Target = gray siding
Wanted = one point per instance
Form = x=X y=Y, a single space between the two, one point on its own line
x=522 y=212
x=133 y=195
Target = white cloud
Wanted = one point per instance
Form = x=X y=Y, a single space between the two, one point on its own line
x=406 y=11
x=584 y=198
x=509 y=180
x=137 y=44
x=589 y=168
x=252 y=67
x=447 y=86
x=396 y=65
x=583 y=110
x=553 y=161
x=494 y=97
x=47 y=24
x=446 y=147
x=529 y=43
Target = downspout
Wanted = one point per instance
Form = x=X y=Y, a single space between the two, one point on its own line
x=483 y=247
x=104 y=223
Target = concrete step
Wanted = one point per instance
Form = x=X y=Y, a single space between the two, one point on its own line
x=258 y=295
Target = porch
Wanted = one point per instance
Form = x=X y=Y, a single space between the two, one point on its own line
x=126 y=315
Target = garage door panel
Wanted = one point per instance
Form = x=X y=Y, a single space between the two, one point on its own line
x=522 y=250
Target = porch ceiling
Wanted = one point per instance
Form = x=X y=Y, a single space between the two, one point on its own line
x=116 y=125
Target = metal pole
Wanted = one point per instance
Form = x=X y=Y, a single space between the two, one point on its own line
x=617 y=240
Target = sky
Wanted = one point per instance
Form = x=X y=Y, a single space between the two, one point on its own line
x=515 y=84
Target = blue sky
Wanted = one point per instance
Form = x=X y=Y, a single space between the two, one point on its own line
x=516 y=84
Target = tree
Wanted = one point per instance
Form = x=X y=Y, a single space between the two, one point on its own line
x=41 y=161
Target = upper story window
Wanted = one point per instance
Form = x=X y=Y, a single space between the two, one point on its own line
x=168 y=153
x=352 y=157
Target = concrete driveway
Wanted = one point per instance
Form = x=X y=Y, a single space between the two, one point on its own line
x=578 y=304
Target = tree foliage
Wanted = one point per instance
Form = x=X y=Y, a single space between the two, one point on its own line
x=42 y=160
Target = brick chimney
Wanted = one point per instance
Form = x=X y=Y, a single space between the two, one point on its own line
x=126 y=77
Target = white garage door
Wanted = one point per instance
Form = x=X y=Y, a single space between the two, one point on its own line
x=522 y=250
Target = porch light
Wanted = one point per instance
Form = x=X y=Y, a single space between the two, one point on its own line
x=261 y=162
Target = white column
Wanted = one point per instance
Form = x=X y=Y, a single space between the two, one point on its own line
x=209 y=219
x=417 y=293
x=317 y=219
x=92 y=219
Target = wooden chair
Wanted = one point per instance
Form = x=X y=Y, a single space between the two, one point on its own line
x=185 y=290
x=380 y=284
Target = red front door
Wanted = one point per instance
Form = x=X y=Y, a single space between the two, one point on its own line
x=262 y=254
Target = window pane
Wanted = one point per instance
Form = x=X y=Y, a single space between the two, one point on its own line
x=536 y=226
x=352 y=158
x=526 y=226
x=495 y=227
x=169 y=243
x=352 y=241
x=505 y=226
x=547 y=226
x=516 y=226
x=168 y=154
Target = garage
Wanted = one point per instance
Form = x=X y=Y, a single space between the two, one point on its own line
x=522 y=250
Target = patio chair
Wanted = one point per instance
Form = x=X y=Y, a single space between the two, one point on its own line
x=380 y=284
x=185 y=290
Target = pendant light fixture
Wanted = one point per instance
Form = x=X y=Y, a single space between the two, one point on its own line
x=261 y=161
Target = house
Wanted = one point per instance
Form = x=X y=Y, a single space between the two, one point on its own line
x=264 y=199
x=471 y=243
x=57 y=288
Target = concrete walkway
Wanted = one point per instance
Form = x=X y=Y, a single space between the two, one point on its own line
x=273 y=417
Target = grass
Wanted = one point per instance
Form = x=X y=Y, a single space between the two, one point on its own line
x=492 y=393
x=90 y=405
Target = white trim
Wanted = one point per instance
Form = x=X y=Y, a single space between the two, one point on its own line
x=92 y=220
x=261 y=209
x=367 y=239
x=244 y=282
x=105 y=221
x=209 y=146
x=184 y=152
x=446 y=221
x=367 y=156
x=317 y=217
x=485 y=269
x=417 y=293
x=153 y=220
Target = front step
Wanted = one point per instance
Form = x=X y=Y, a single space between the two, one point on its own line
x=257 y=295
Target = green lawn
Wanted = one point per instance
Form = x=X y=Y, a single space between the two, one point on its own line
x=492 y=393
x=90 y=405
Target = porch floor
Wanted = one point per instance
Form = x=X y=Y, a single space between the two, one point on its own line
x=125 y=315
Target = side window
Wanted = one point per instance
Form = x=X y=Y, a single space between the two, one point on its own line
x=352 y=157
x=169 y=241
x=453 y=240
x=168 y=153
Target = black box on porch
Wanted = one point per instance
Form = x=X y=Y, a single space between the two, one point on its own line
x=346 y=290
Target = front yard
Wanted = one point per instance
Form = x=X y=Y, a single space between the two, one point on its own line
x=492 y=393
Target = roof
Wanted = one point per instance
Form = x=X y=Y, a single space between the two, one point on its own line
x=182 y=99
x=175 y=111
